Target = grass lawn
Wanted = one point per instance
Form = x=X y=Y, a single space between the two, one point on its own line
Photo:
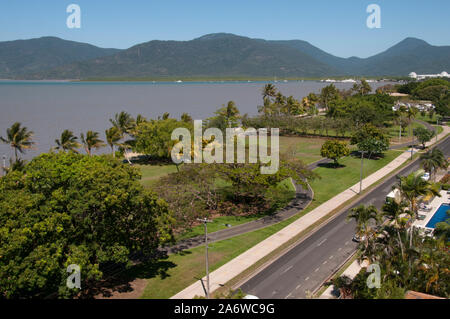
x=406 y=137
x=151 y=173
x=187 y=267
x=306 y=149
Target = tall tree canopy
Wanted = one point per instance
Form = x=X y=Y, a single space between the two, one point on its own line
x=67 y=208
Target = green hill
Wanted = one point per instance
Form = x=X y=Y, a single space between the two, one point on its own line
x=21 y=57
x=210 y=56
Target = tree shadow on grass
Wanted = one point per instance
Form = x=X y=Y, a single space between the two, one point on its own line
x=331 y=165
x=119 y=279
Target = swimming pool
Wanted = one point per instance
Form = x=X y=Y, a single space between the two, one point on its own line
x=439 y=216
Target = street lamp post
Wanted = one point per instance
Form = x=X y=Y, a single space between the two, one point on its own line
x=205 y=222
x=437 y=128
x=361 y=174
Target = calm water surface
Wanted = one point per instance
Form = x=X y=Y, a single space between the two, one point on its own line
x=47 y=108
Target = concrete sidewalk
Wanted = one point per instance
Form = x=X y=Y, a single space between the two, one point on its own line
x=251 y=256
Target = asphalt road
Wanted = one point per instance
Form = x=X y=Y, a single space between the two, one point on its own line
x=303 y=268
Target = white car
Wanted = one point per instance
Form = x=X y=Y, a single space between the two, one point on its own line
x=426 y=177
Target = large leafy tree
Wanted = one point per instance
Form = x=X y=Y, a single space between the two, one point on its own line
x=423 y=135
x=154 y=137
x=19 y=138
x=68 y=208
x=334 y=150
x=328 y=94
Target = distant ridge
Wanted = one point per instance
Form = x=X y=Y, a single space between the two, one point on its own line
x=211 y=55
x=21 y=57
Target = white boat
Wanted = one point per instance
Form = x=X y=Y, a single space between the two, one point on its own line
x=179 y=81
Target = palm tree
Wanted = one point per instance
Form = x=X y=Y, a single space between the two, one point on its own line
x=393 y=210
x=413 y=186
x=363 y=217
x=112 y=138
x=91 y=141
x=269 y=91
x=19 y=138
x=433 y=160
x=411 y=114
x=230 y=113
x=124 y=122
x=67 y=142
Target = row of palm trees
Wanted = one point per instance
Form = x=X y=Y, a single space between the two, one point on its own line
x=384 y=233
x=123 y=125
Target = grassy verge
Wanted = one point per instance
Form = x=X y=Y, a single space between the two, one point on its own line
x=188 y=266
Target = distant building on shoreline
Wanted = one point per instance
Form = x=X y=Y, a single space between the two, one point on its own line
x=416 y=76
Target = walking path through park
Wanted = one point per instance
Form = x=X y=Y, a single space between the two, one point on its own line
x=302 y=199
x=251 y=256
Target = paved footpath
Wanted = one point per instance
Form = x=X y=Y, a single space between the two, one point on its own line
x=252 y=255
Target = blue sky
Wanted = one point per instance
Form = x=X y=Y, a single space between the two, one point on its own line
x=338 y=27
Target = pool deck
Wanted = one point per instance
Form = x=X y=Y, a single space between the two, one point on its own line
x=435 y=203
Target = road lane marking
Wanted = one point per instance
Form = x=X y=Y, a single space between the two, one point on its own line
x=307 y=278
x=346 y=243
x=331 y=257
x=288 y=296
x=296 y=288
x=340 y=248
x=321 y=242
x=325 y=262
x=289 y=268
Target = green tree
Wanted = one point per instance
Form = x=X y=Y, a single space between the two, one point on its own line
x=124 y=122
x=67 y=142
x=269 y=91
x=154 y=137
x=113 y=138
x=366 y=219
x=413 y=186
x=433 y=160
x=328 y=94
x=185 y=117
x=91 y=141
x=68 y=208
x=423 y=135
x=334 y=150
x=19 y=138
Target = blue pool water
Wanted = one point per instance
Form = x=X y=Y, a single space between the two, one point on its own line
x=439 y=216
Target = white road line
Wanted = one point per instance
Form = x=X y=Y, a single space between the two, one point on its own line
x=340 y=248
x=288 y=296
x=331 y=257
x=307 y=278
x=325 y=262
x=317 y=269
x=346 y=243
x=289 y=268
x=321 y=242
x=296 y=288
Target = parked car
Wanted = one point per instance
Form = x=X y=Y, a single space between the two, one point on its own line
x=426 y=177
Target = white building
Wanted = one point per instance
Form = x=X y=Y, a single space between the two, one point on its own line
x=416 y=76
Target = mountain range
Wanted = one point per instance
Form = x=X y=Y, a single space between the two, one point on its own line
x=213 y=55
